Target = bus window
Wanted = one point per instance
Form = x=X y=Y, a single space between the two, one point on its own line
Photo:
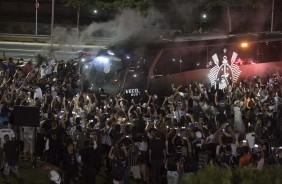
x=168 y=63
x=246 y=55
x=193 y=58
x=269 y=51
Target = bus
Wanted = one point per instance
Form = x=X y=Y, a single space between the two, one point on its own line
x=132 y=66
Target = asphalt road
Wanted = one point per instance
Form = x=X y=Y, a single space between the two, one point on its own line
x=29 y=50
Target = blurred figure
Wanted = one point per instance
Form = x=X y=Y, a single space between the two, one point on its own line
x=89 y=159
x=157 y=157
x=70 y=166
x=10 y=157
x=173 y=167
x=11 y=68
x=3 y=132
x=53 y=174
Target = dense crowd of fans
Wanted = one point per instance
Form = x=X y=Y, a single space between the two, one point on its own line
x=146 y=137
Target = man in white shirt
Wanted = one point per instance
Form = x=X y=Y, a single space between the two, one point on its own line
x=178 y=113
x=5 y=131
x=37 y=92
x=250 y=137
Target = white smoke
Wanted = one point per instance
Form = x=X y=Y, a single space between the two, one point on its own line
x=124 y=25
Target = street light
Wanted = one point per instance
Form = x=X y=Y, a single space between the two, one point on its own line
x=52 y=22
x=95 y=11
x=36 y=14
x=272 y=16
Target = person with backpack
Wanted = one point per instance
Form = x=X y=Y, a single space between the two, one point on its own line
x=226 y=157
x=118 y=157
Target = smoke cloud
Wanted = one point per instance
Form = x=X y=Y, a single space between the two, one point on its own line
x=127 y=24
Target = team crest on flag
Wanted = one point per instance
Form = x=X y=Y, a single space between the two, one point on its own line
x=221 y=75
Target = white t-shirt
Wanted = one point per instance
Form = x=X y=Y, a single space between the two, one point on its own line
x=28 y=133
x=251 y=139
x=55 y=177
x=178 y=114
x=37 y=93
x=6 y=131
x=53 y=91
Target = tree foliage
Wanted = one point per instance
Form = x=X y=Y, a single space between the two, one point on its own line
x=78 y=3
x=227 y=4
x=141 y=5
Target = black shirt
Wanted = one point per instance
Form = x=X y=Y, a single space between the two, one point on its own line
x=157 y=146
x=56 y=137
x=69 y=161
x=89 y=157
x=10 y=149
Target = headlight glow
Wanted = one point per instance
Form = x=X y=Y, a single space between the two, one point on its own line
x=102 y=59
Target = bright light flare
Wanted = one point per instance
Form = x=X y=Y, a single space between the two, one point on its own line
x=102 y=59
x=244 y=44
x=110 y=52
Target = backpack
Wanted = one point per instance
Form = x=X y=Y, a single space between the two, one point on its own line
x=119 y=169
x=227 y=160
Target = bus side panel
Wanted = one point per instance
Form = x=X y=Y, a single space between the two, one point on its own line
x=164 y=83
x=160 y=85
x=260 y=69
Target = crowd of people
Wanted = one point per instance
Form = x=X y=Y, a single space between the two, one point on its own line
x=146 y=137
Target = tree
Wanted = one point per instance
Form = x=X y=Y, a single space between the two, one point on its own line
x=78 y=4
x=141 y=5
x=227 y=4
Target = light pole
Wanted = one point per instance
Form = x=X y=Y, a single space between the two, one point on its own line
x=272 y=16
x=52 y=22
x=36 y=11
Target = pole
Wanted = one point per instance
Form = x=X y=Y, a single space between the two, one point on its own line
x=77 y=23
x=272 y=16
x=36 y=11
x=52 y=22
x=35 y=147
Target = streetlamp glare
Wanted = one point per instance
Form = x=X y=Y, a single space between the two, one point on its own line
x=95 y=11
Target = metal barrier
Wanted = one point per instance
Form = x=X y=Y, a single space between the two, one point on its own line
x=100 y=41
